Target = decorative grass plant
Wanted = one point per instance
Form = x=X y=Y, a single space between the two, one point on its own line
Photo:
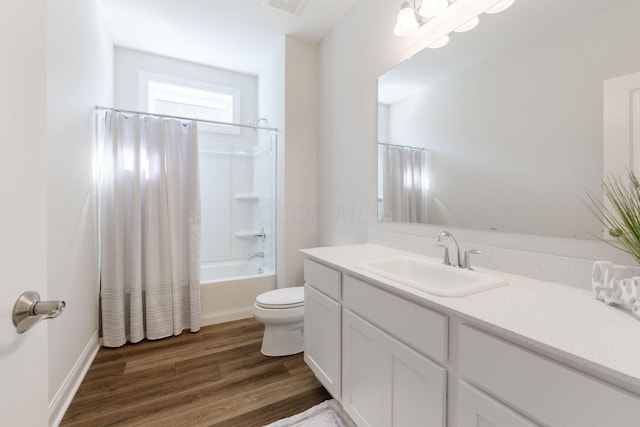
x=622 y=215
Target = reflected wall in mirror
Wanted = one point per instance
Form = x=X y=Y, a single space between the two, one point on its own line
x=511 y=116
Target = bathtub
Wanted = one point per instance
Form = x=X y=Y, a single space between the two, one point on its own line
x=229 y=289
x=232 y=270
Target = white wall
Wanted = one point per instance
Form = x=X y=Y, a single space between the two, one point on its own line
x=128 y=63
x=358 y=49
x=300 y=168
x=79 y=76
x=288 y=95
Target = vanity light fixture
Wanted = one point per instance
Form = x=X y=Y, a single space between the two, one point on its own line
x=411 y=18
x=443 y=41
x=431 y=8
x=408 y=23
x=468 y=26
x=503 y=5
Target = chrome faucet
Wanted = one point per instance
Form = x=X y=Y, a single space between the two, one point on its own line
x=253 y=255
x=451 y=247
x=466 y=263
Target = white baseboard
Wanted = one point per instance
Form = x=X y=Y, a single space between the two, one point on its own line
x=225 y=317
x=61 y=401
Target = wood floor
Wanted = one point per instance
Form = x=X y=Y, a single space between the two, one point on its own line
x=216 y=377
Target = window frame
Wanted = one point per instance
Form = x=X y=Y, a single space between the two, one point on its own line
x=144 y=77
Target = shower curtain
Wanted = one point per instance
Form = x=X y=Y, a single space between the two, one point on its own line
x=149 y=209
x=405 y=183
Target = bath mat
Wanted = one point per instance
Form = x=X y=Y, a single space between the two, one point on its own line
x=326 y=414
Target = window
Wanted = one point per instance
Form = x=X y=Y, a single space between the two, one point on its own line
x=175 y=96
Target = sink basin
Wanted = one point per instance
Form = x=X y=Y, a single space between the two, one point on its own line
x=433 y=278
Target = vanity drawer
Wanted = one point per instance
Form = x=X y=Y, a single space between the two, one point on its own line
x=544 y=390
x=417 y=326
x=322 y=278
x=476 y=409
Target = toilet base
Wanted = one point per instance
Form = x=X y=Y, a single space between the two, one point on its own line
x=283 y=330
x=283 y=340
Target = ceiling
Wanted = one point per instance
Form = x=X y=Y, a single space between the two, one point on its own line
x=238 y=35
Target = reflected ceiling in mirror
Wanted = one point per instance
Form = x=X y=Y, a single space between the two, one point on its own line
x=510 y=117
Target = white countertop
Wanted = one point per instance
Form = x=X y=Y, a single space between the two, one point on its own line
x=561 y=321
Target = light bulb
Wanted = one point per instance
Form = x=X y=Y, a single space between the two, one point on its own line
x=469 y=25
x=439 y=43
x=406 y=24
x=499 y=7
x=431 y=8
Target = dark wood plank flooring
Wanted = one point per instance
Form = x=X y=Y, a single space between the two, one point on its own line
x=215 y=377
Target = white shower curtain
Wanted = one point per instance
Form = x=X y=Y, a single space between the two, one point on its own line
x=149 y=207
x=405 y=183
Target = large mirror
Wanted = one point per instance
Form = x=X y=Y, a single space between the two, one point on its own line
x=505 y=123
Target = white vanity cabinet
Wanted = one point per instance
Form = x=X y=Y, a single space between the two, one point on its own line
x=414 y=389
x=361 y=375
x=476 y=409
x=385 y=381
x=542 y=389
x=385 y=353
x=322 y=325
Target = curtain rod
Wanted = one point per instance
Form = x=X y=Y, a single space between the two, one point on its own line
x=164 y=116
x=402 y=146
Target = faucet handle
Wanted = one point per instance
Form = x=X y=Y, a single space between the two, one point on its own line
x=261 y=235
x=446 y=260
x=466 y=262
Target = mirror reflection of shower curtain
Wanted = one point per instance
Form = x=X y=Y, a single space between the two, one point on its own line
x=405 y=183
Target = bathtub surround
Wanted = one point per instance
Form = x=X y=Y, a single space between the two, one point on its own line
x=149 y=200
x=237 y=187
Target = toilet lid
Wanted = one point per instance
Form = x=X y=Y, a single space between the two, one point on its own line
x=282 y=298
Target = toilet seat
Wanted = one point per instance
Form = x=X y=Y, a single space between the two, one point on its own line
x=282 y=298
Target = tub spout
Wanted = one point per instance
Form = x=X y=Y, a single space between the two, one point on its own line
x=253 y=255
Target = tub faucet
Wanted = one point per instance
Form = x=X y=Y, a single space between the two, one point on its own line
x=261 y=235
x=253 y=255
x=451 y=247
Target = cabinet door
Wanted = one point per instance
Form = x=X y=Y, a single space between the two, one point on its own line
x=476 y=409
x=413 y=388
x=361 y=374
x=322 y=339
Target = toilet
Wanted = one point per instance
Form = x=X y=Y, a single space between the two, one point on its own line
x=282 y=312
